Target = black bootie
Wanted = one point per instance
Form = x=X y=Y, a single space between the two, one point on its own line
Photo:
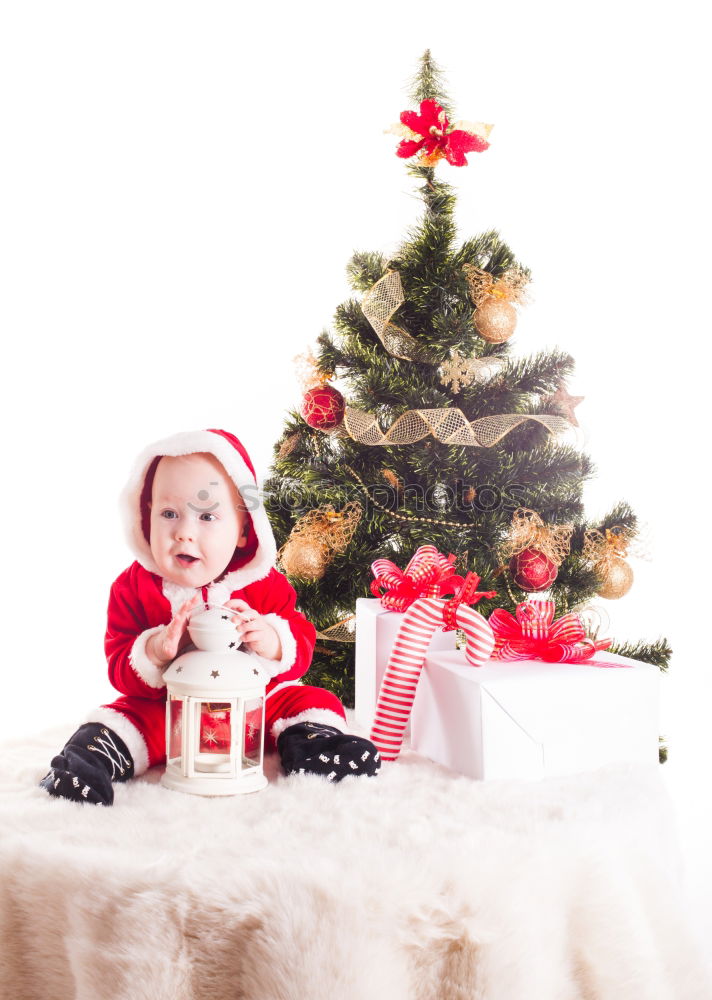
x=310 y=748
x=91 y=759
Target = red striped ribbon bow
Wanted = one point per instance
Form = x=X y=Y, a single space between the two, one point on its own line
x=428 y=574
x=418 y=591
x=466 y=594
x=534 y=635
x=400 y=681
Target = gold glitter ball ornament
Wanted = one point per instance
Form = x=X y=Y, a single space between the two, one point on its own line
x=495 y=320
x=304 y=558
x=616 y=579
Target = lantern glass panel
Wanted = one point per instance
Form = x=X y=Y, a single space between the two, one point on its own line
x=214 y=730
x=252 y=737
x=175 y=733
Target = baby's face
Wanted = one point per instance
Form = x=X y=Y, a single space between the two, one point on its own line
x=197 y=519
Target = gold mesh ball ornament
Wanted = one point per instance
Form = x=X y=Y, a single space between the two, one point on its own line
x=605 y=551
x=316 y=537
x=495 y=320
x=616 y=579
x=304 y=558
x=495 y=317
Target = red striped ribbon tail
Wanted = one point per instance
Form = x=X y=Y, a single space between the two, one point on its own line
x=578 y=652
x=405 y=663
x=509 y=652
x=480 y=637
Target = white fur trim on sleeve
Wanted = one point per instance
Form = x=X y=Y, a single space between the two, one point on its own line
x=146 y=670
x=323 y=715
x=289 y=644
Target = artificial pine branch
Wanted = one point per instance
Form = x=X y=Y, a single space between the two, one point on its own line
x=658 y=653
x=364 y=269
x=486 y=251
x=429 y=83
x=622 y=514
x=539 y=373
x=526 y=468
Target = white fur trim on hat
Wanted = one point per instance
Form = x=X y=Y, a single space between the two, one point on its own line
x=128 y=733
x=188 y=443
x=323 y=715
x=138 y=658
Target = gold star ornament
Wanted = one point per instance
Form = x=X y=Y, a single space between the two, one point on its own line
x=565 y=404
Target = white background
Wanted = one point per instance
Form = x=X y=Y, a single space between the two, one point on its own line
x=182 y=187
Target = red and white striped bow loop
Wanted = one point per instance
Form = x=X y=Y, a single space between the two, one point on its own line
x=428 y=574
x=534 y=635
x=423 y=616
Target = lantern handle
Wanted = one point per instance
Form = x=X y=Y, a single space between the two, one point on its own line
x=208 y=606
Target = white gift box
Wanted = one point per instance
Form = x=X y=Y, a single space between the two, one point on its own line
x=376 y=631
x=529 y=719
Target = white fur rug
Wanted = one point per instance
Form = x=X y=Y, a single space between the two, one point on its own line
x=416 y=885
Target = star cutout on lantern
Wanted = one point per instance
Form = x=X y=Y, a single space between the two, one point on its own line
x=215 y=673
x=231 y=646
x=255 y=671
x=178 y=669
x=565 y=403
x=224 y=618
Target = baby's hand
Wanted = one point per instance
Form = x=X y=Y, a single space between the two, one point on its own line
x=256 y=633
x=164 y=646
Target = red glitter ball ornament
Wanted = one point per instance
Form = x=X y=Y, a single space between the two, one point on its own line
x=532 y=571
x=323 y=407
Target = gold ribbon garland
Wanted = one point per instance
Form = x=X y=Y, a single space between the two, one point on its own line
x=379 y=304
x=343 y=631
x=448 y=425
x=382 y=301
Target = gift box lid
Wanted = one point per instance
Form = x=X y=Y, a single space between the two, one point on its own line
x=547 y=700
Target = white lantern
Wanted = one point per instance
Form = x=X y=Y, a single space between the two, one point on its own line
x=215 y=711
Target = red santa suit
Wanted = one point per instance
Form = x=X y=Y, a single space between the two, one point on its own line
x=142 y=602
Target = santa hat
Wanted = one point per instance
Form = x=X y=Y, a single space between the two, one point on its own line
x=250 y=563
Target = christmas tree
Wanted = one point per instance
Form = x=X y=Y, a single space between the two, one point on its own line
x=441 y=434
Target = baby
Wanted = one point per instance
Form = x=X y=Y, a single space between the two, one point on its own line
x=200 y=534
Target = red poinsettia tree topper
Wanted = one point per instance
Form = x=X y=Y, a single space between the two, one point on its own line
x=429 y=135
